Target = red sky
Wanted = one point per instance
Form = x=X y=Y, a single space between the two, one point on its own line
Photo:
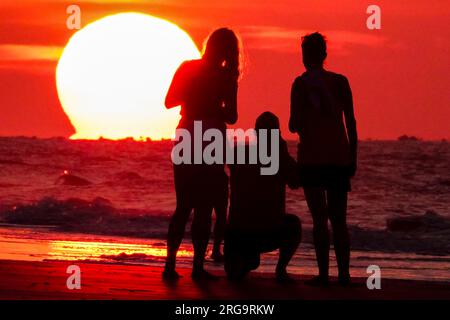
x=399 y=74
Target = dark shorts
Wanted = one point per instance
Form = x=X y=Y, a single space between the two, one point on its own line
x=327 y=177
x=201 y=185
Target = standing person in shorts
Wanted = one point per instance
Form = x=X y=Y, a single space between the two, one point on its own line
x=206 y=89
x=327 y=152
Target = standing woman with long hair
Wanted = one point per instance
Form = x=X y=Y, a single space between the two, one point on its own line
x=206 y=90
x=327 y=152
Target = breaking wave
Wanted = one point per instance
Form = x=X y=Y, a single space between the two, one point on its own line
x=97 y=217
x=427 y=234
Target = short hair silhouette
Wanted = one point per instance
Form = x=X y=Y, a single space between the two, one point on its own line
x=267 y=120
x=314 y=50
x=223 y=48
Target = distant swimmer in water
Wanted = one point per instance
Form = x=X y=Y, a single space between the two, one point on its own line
x=71 y=180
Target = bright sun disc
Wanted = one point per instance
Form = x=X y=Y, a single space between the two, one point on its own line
x=114 y=73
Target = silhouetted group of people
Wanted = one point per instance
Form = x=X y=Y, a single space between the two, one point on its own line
x=206 y=89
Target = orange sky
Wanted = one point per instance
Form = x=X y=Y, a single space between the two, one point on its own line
x=399 y=74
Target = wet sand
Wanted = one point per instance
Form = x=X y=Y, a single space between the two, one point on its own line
x=47 y=281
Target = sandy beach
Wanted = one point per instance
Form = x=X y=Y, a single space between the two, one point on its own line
x=47 y=281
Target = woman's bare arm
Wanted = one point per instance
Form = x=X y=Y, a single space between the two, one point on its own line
x=350 y=124
x=175 y=94
x=294 y=118
x=230 y=103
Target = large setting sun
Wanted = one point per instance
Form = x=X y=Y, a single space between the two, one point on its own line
x=114 y=73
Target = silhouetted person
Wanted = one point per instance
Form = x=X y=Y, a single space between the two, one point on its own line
x=258 y=221
x=206 y=90
x=327 y=152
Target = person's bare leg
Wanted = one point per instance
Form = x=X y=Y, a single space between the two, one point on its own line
x=316 y=200
x=292 y=229
x=201 y=229
x=219 y=232
x=175 y=236
x=337 y=207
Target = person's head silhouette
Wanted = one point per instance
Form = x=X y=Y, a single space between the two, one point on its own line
x=223 y=49
x=264 y=126
x=267 y=120
x=314 y=50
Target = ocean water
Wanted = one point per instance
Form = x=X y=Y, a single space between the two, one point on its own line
x=118 y=206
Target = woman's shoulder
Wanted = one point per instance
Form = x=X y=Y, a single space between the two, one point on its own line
x=189 y=65
x=300 y=77
x=337 y=77
x=298 y=80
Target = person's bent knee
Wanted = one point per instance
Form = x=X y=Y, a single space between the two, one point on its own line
x=235 y=263
x=292 y=222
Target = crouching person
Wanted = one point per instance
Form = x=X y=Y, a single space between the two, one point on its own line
x=258 y=221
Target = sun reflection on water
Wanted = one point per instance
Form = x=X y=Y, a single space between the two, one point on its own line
x=100 y=251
